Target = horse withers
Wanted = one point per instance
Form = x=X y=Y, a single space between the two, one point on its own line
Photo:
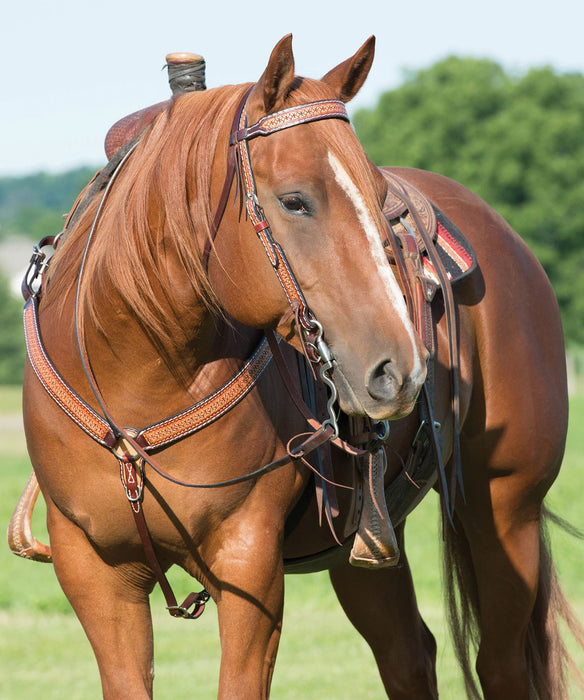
x=155 y=301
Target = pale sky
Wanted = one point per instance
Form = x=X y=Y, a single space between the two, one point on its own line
x=71 y=69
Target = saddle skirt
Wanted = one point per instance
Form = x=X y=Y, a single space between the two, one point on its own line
x=455 y=251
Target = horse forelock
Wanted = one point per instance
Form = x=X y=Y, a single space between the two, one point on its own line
x=341 y=141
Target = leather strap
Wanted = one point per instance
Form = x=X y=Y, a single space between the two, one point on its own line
x=133 y=481
x=178 y=426
x=299 y=401
x=57 y=388
x=270 y=124
x=273 y=250
x=231 y=170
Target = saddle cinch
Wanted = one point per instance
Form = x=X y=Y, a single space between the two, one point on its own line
x=428 y=253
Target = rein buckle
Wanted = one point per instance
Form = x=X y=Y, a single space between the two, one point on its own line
x=197 y=599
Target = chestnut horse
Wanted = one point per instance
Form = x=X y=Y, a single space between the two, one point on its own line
x=157 y=296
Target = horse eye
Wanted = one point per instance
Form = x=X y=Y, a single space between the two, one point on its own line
x=294 y=204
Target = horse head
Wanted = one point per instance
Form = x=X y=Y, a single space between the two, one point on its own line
x=323 y=200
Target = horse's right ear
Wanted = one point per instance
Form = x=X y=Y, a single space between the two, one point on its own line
x=269 y=93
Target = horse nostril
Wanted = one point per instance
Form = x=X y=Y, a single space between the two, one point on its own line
x=384 y=381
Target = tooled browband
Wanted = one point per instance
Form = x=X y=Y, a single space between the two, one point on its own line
x=292 y=116
x=153 y=436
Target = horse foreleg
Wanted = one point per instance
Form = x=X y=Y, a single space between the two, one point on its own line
x=250 y=599
x=111 y=604
x=382 y=606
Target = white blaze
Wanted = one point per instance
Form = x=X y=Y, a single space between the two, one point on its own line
x=377 y=254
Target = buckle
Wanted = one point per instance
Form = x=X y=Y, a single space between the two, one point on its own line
x=132 y=477
x=37 y=265
x=197 y=600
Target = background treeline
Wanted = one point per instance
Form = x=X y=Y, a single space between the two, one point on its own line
x=30 y=207
x=518 y=141
x=33 y=206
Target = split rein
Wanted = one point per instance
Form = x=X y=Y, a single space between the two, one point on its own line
x=130 y=446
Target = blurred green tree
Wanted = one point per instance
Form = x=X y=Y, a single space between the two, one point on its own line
x=517 y=141
x=12 y=351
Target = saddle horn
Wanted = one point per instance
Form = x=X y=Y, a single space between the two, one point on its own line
x=186 y=73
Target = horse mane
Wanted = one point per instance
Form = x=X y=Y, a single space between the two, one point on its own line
x=162 y=198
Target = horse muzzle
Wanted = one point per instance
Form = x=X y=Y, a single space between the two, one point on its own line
x=387 y=392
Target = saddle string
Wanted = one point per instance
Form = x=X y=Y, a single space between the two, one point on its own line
x=426 y=406
x=408 y=264
x=449 y=494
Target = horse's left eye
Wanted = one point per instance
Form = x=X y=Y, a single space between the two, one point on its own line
x=294 y=204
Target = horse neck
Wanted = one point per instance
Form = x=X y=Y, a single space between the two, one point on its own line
x=153 y=375
x=201 y=351
x=144 y=289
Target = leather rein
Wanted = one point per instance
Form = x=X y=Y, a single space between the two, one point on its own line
x=132 y=447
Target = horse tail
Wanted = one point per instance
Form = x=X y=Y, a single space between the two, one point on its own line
x=549 y=663
x=461 y=602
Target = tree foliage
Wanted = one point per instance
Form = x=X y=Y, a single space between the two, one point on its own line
x=12 y=351
x=33 y=206
x=517 y=141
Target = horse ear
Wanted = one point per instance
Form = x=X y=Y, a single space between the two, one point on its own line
x=348 y=77
x=276 y=80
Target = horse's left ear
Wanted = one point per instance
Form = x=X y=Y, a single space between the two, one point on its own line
x=348 y=77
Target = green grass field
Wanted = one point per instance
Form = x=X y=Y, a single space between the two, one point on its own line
x=44 y=653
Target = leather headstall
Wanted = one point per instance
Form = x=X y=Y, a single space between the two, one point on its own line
x=239 y=163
